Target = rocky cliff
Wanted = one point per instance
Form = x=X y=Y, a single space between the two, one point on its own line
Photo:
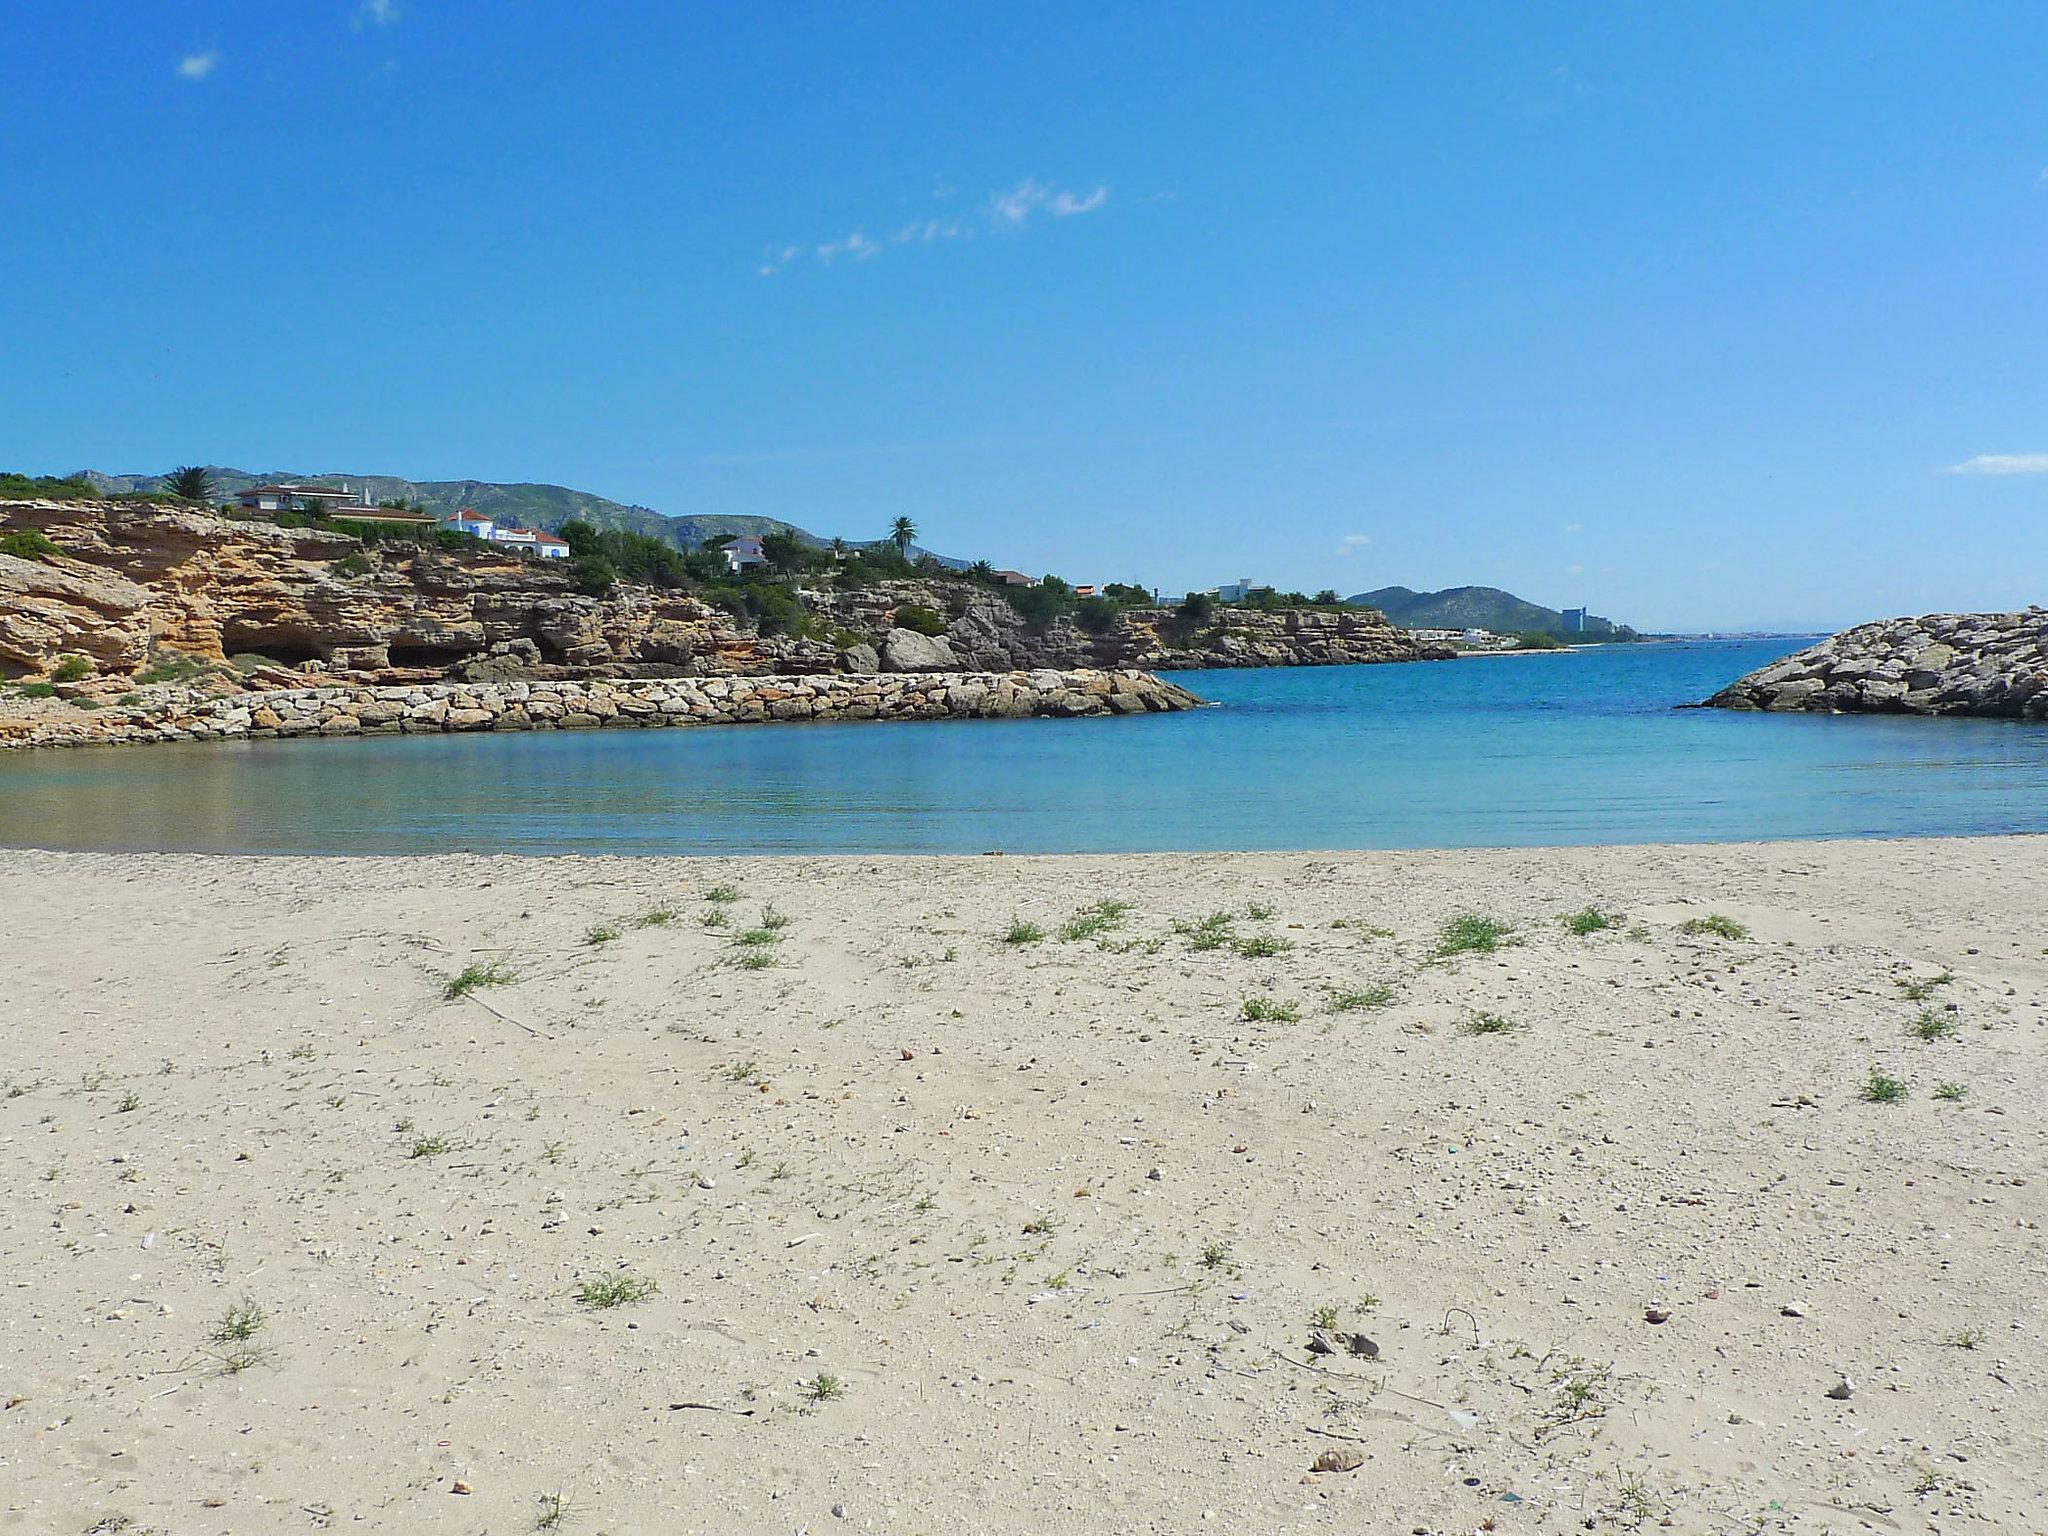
x=134 y=584
x=1940 y=664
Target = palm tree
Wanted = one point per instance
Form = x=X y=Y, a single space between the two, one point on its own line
x=189 y=482
x=903 y=530
x=981 y=570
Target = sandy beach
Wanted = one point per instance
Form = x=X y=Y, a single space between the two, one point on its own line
x=793 y=1195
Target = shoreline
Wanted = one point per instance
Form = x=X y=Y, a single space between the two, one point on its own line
x=1012 y=1194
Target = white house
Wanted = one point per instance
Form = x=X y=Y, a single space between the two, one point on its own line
x=1235 y=591
x=744 y=554
x=471 y=522
x=546 y=545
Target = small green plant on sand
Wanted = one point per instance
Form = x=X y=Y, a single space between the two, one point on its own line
x=1215 y=1255
x=1932 y=1024
x=431 y=1146
x=1260 y=911
x=656 y=917
x=1918 y=989
x=823 y=1388
x=1257 y=946
x=1488 y=1024
x=603 y=933
x=1591 y=920
x=1021 y=932
x=1880 y=1089
x=238 y=1347
x=1713 y=925
x=1325 y=1318
x=493 y=973
x=1470 y=934
x=1260 y=1010
x=1971 y=1337
x=553 y=1513
x=1361 y=998
x=603 y=1292
x=242 y=1321
x=1094 y=920
x=1951 y=1093
x=721 y=894
x=1211 y=932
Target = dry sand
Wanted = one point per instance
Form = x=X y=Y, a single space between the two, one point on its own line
x=895 y=1192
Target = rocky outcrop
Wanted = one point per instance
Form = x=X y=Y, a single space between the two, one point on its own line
x=537 y=706
x=213 y=587
x=984 y=630
x=1941 y=664
x=134 y=583
x=49 y=611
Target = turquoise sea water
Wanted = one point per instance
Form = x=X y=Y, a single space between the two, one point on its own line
x=1577 y=748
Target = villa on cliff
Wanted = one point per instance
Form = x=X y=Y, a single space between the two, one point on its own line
x=472 y=522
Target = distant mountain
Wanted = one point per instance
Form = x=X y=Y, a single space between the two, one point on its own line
x=545 y=507
x=1477 y=608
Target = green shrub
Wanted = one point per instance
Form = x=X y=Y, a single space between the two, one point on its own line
x=172 y=668
x=923 y=620
x=593 y=574
x=71 y=669
x=28 y=544
x=14 y=487
x=38 y=691
x=354 y=564
x=1096 y=615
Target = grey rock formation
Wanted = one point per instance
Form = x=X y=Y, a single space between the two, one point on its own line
x=1939 y=664
x=905 y=650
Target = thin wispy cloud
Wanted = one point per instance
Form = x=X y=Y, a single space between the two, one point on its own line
x=2002 y=464
x=375 y=13
x=1008 y=211
x=197 y=66
x=1351 y=543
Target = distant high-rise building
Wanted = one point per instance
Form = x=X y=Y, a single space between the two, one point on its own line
x=1574 y=621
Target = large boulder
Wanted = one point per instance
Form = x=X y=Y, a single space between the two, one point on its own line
x=905 y=650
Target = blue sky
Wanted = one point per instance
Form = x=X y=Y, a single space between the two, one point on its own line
x=1686 y=312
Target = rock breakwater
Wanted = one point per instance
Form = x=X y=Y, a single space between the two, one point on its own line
x=1992 y=664
x=348 y=710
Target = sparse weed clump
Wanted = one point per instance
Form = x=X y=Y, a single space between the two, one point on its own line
x=1713 y=925
x=1021 y=932
x=720 y=895
x=1932 y=1024
x=1591 y=920
x=1260 y=911
x=1880 y=1089
x=1211 y=932
x=1918 y=989
x=603 y=1292
x=657 y=917
x=1094 y=920
x=1215 y=1255
x=431 y=1146
x=1488 y=1024
x=1258 y=946
x=603 y=933
x=237 y=1346
x=823 y=1388
x=492 y=973
x=1260 y=1010
x=1361 y=998
x=1951 y=1093
x=1471 y=934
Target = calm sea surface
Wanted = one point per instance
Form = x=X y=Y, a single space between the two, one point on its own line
x=1578 y=748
